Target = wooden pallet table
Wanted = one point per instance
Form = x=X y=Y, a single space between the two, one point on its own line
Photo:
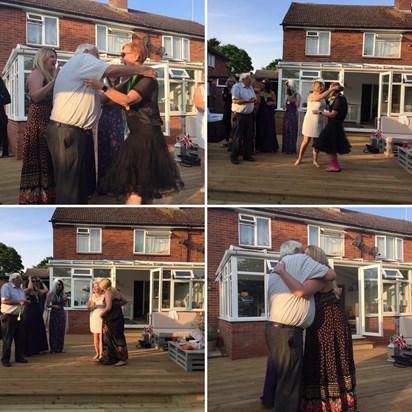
x=189 y=360
x=405 y=158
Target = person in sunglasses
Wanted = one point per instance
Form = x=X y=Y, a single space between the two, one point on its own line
x=76 y=110
x=143 y=168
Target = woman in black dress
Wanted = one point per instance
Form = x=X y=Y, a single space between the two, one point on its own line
x=332 y=138
x=143 y=168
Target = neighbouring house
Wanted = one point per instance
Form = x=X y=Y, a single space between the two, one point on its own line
x=176 y=50
x=367 y=48
x=217 y=75
x=372 y=257
x=156 y=256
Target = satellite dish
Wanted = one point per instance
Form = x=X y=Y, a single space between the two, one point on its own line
x=358 y=242
x=374 y=251
x=161 y=51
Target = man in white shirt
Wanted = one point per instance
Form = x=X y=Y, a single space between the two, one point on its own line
x=76 y=110
x=289 y=316
x=243 y=103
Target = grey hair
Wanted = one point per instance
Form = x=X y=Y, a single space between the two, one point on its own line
x=231 y=79
x=289 y=248
x=82 y=47
x=243 y=75
x=14 y=275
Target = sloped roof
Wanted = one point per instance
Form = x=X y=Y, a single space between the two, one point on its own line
x=94 y=10
x=129 y=216
x=350 y=218
x=344 y=16
x=266 y=74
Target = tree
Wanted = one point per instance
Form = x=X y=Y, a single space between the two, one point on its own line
x=10 y=260
x=273 y=65
x=43 y=263
x=239 y=60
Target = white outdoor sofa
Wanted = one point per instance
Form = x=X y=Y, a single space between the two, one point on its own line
x=395 y=130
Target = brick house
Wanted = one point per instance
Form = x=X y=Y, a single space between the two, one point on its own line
x=365 y=48
x=372 y=257
x=217 y=75
x=176 y=50
x=156 y=256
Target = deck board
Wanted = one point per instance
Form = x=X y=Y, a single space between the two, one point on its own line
x=237 y=385
x=273 y=179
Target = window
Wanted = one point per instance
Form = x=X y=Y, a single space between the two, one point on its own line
x=41 y=30
x=254 y=231
x=382 y=45
x=392 y=274
x=152 y=242
x=318 y=43
x=330 y=240
x=211 y=60
x=389 y=247
x=396 y=287
x=112 y=40
x=178 y=74
x=89 y=240
x=176 y=48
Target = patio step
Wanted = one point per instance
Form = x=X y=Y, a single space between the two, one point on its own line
x=362 y=344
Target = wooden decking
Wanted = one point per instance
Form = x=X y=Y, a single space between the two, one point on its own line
x=10 y=171
x=237 y=385
x=273 y=179
x=72 y=381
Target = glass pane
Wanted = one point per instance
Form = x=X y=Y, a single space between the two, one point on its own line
x=101 y=273
x=162 y=94
x=82 y=242
x=399 y=251
x=181 y=298
x=176 y=97
x=251 y=300
x=61 y=272
x=116 y=42
x=389 y=297
x=247 y=234
x=167 y=274
x=326 y=75
x=101 y=38
x=166 y=295
x=290 y=74
x=396 y=98
x=155 y=298
x=250 y=265
x=199 y=273
x=313 y=236
x=157 y=244
x=94 y=240
x=324 y=43
x=177 y=47
x=51 y=31
x=408 y=99
x=390 y=242
x=380 y=243
x=67 y=289
x=81 y=292
x=331 y=244
x=262 y=232
x=368 y=46
x=185 y=50
x=28 y=63
x=404 y=297
x=198 y=295
x=34 y=35
x=311 y=45
x=167 y=44
x=371 y=297
x=139 y=241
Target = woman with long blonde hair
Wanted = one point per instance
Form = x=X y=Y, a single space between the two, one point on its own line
x=36 y=185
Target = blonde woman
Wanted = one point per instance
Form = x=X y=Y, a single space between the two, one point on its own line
x=328 y=384
x=96 y=306
x=36 y=185
x=313 y=122
x=114 y=346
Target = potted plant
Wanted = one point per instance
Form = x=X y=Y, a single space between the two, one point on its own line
x=212 y=335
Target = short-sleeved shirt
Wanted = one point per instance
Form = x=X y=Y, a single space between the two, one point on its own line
x=73 y=102
x=285 y=307
x=240 y=92
x=9 y=291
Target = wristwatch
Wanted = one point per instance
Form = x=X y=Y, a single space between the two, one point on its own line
x=104 y=88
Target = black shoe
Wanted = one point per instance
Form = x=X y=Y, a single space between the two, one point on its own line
x=22 y=360
x=249 y=159
x=5 y=363
x=234 y=161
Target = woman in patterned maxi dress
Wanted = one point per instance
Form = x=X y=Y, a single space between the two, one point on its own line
x=328 y=373
x=290 y=119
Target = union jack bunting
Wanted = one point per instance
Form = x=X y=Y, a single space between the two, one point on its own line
x=187 y=141
x=401 y=342
x=150 y=330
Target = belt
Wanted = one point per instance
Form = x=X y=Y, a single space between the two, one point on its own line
x=67 y=126
x=244 y=114
x=282 y=325
x=9 y=314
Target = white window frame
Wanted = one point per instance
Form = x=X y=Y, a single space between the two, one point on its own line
x=146 y=234
x=180 y=53
x=211 y=60
x=322 y=232
x=221 y=82
x=397 y=247
x=87 y=231
x=32 y=18
x=245 y=219
x=112 y=32
x=312 y=34
x=178 y=74
x=381 y=36
x=396 y=275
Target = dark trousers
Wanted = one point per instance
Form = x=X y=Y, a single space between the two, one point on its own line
x=12 y=329
x=68 y=147
x=286 y=348
x=242 y=125
x=4 y=138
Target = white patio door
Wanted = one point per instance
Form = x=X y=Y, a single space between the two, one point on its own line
x=163 y=98
x=371 y=301
x=155 y=291
x=385 y=94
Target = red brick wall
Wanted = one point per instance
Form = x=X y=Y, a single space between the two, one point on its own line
x=345 y=47
x=117 y=243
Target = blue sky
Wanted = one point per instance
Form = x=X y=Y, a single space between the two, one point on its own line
x=28 y=230
x=182 y=9
x=255 y=25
